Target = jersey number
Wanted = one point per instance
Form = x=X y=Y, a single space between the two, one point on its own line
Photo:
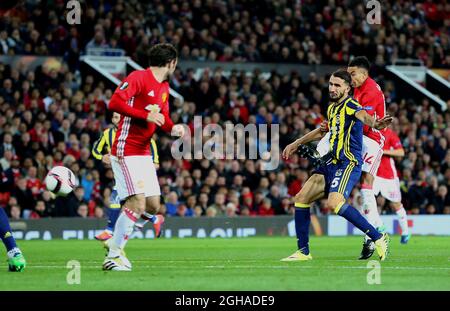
x=335 y=182
x=367 y=159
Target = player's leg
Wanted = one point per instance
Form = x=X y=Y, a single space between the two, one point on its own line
x=346 y=176
x=402 y=220
x=130 y=188
x=16 y=261
x=153 y=196
x=152 y=208
x=372 y=153
x=369 y=207
x=312 y=190
x=390 y=189
x=113 y=213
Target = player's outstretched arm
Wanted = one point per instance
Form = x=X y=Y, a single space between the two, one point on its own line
x=395 y=153
x=373 y=122
x=314 y=135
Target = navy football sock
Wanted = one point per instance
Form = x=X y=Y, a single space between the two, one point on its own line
x=302 y=221
x=355 y=217
x=5 y=231
x=113 y=214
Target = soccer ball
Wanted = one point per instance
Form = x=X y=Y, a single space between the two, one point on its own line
x=60 y=181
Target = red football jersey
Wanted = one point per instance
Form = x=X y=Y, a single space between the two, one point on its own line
x=139 y=94
x=370 y=96
x=387 y=168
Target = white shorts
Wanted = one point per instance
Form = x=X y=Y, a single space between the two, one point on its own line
x=371 y=153
x=135 y=175
x=389 y=189
x=324 y=145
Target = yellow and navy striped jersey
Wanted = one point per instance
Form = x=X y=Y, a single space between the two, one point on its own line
x=105 y=142
x=346 y=130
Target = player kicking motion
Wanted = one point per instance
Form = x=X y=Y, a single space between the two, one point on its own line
x=369 y=95
x=16 y=261
x=387 y=182
x=102 y=145
x=142 y=100
x=337 y=179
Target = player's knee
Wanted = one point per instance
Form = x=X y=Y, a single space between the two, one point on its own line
x=153 y=208
x=152 y=204
x=136 y=203
x=335 y=204
x=367 y=178
x=396 y=205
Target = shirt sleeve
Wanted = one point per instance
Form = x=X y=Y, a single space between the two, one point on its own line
x=97 y=149
x=154 y=151
x=168 y=123
x=395 y=141
x=372 y=102
x=129 y=88
x=352 y=107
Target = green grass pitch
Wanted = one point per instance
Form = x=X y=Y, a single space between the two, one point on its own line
x=233 y=264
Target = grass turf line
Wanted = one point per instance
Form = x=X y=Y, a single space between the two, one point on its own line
x=233 y=264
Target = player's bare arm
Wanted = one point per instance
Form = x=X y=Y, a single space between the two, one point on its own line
x=395 y=153
x=373 y=122
x=314 y=135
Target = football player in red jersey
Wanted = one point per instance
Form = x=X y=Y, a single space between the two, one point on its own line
x=387 y=182
x=142 y=100
x=369 y=95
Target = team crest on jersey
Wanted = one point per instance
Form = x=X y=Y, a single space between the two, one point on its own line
x=338 y=119
x=164 y=97
x=152 y=108
x=124 y=86
x=338 y=172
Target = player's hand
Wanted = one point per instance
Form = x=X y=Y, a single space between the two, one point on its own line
x=178 y=130
x=156 y=117
x=324 y=126
x=106 y=159
x=384 y=122
x=290 y=149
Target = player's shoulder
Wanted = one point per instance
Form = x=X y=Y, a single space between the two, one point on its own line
x=353 y=101
x=106 y=131
x=138 y=74
x=372 y=86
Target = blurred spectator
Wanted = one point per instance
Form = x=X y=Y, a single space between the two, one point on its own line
x=82 y=210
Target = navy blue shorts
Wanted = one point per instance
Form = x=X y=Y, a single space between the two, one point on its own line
x=340 y=177
x=114 y=200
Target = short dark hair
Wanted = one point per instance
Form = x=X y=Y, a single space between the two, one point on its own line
x=360 y=62
x=344 y=75
x=161 y=54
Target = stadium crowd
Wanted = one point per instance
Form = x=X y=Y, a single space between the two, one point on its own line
x=308 y=31
x=50 y=117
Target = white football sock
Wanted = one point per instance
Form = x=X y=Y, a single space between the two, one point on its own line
x=122 y=230
x=11 y=253
x=403 y=220
x=370 y=208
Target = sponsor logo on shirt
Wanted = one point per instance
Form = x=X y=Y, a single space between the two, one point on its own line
x=164 y=97
x=153 y=108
